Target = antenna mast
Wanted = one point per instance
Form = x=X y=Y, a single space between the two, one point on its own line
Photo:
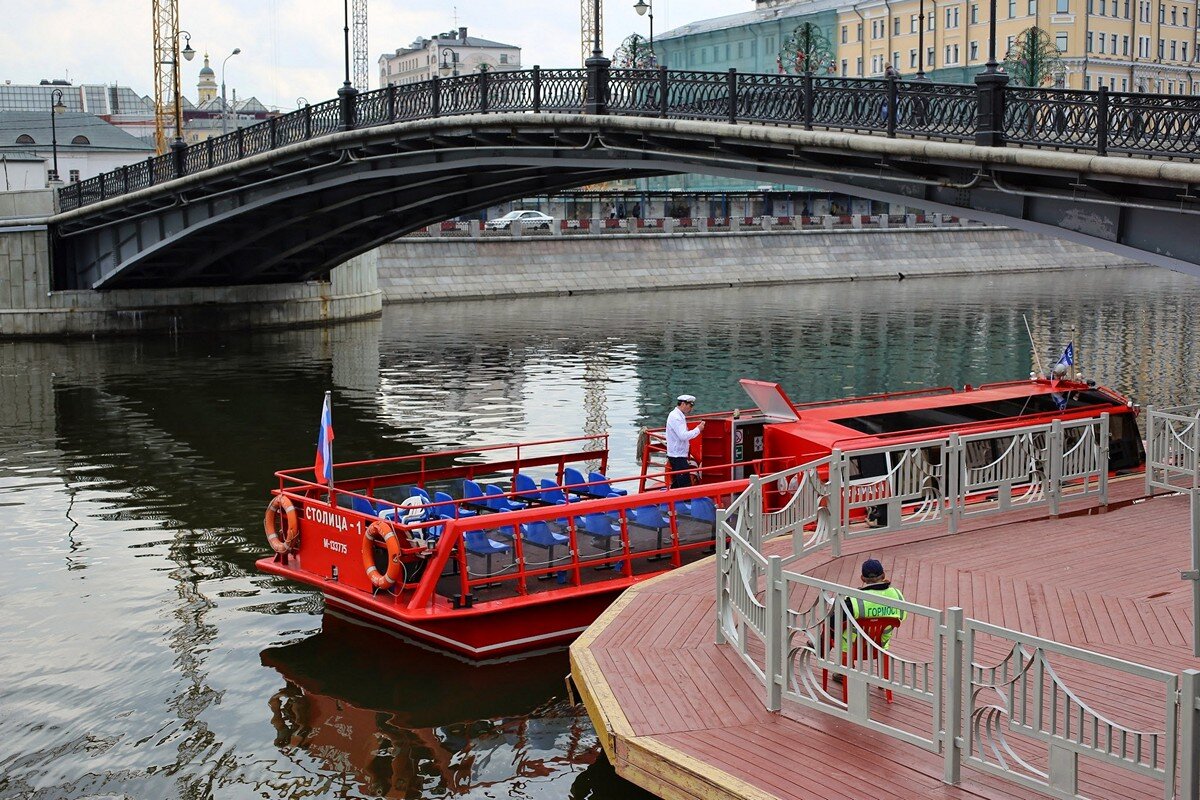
x=358 y=26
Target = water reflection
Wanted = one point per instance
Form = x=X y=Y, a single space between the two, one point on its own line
x=397 y=720
x=133 y=474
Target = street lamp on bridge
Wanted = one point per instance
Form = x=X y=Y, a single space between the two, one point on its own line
x=224 y=107
x=301 y=102
x=187 y=53
x=56 y=107
x=449 y=60
x=642 y=8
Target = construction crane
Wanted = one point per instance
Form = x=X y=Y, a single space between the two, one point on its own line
x=166 y=69
x=591 y=15
x=359 y=25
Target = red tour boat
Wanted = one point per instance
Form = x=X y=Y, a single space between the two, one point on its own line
x=517 y=547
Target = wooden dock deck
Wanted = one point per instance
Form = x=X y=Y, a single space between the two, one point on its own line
x=684 y=718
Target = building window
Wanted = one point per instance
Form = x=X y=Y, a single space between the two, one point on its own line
x=1173 y=50
x=1183 y=51
x=1162 y=46
x=1012 y=8
x=974 y=51
x=1089 y=42
x=1126 y=9
x=912 y=58
x=1033 y=8
x=896 y=26
x=931 y=22
x=1102 y=44
x=1162 y=14
x=74 y=175
x=1060 y=41
x=858 y=65
x=504 y=58
x=1063 y=7
x=858 y=32
x=843 y=66
x=1172 y=15
x=1124 y=45
x=1185 y=18
x=740 y=54
x=25 y=138
x=915 y=24
x=929 y=58
x=81 y=139
x=845 y=33
x=975 y=14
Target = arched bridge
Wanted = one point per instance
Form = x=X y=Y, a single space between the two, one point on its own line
x=291 y=198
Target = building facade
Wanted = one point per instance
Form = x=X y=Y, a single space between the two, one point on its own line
x=1125 y=45
x=445 y=55
x=84 y=145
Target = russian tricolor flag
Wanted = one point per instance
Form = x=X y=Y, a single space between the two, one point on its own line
x=324 y=463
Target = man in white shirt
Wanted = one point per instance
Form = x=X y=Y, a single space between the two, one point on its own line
x=678 y=437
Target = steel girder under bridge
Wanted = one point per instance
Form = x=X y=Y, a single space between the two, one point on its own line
x=295 y=212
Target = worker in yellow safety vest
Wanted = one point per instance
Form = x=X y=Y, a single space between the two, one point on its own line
x=875 y=581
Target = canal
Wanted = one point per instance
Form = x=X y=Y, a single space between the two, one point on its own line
x=144 y=657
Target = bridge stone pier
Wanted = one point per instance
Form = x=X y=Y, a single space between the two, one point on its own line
x=29 y=308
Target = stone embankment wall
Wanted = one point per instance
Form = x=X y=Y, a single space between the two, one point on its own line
x=29 y=308
x=414 y=269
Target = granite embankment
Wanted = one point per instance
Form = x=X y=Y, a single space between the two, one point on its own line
x=419 y=269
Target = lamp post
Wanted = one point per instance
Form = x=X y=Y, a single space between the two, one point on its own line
x=597 y=69
x=449 y=60
x=347 y=93
x=56 y=106
x=187 y=53
x=224 y=107
x=301 y=102
x=644 y=8
x=989 y=126
x=920 y=76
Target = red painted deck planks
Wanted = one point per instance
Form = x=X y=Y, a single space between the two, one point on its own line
x=1080 y=579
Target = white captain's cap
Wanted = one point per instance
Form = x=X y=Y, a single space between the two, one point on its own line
x=686 y=398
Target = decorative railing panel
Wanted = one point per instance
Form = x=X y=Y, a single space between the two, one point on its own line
x=1081 y=120
x=1026 y=724
x=1051 y=117
x=944 y=110
x=743 y=618
x=1172 y=445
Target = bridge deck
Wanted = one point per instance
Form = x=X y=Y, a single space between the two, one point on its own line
x=683 y=717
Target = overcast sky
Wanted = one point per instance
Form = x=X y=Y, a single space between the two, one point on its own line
x=294 y=49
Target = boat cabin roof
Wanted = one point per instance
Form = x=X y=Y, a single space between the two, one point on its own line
x=862 y=422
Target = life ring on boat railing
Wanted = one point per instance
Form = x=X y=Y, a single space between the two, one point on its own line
x=281 y=509
x=382 y=531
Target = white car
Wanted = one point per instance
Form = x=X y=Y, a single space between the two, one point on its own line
x=527 y=219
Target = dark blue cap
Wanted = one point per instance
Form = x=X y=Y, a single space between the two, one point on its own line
x=872 y=568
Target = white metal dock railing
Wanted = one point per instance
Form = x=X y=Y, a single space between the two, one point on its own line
x=977 y=694
x=1172 y=442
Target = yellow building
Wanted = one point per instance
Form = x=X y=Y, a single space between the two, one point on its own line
x=1126 y=45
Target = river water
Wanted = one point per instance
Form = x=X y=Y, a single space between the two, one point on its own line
x=142 y=656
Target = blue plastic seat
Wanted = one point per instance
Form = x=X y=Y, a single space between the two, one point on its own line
x=552 y=493
x=524 y=487
x=478 y=543
x=448 y=509
x=602 y=530
x=651 y=517
x=602 y=483
x=573 y=479
x=362 y=505
x=539 y=534
x=473 y=494
x=497 y=500
x=417 y=491
x=702 y=508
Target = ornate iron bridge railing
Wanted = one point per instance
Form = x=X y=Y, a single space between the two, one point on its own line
x=1102 y=122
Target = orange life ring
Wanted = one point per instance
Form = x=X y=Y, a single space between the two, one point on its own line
x=281 y=507
x=382 y=530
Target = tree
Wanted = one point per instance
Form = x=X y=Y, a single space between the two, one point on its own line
x=1033 y=59
x=634 y=53
x=807 y=49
